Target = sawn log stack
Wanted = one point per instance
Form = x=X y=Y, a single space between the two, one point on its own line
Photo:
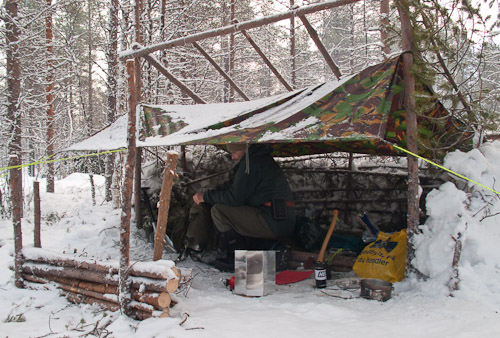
x=153 y=284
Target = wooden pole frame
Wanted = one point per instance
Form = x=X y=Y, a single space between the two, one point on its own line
x=411 y=132
x=266 y=60
x=164 y=205
x=314 y=36
x=238 y=27
x=36 y=196
x=151 y=59
x=221 y=71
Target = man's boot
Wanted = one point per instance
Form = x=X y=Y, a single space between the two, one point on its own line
x=231 y=241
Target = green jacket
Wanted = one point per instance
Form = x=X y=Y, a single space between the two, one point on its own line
x=261 y=182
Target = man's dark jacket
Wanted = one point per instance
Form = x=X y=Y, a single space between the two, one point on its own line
x=255 y=181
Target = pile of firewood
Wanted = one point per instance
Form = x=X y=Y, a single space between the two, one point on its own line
x=152 y=289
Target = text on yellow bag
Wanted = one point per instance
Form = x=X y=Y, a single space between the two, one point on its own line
x=383 y=259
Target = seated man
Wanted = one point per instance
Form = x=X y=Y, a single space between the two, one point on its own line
x=243 y=208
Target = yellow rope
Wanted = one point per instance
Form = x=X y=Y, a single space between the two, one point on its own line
x=20 y=166
x=446 y=169
x=117 y=150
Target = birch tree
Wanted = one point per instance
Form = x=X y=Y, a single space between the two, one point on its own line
x=112 y=87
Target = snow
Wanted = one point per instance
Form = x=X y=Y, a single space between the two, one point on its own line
x=418 y=307
x=197 y=118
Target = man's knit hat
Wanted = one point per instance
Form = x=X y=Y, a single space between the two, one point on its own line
x=232 y=147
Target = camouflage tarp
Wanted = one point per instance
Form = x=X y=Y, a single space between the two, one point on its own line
x=362 y=113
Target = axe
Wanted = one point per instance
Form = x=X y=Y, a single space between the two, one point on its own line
x=321 y=256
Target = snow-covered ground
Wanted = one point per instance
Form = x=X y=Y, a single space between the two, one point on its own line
x=71 y=224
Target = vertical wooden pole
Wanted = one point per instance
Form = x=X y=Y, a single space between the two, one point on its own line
x=137 y=189
x=411 y=130
x=347 y=212
x=36 y=193
x=124 y=282
x=166 y=190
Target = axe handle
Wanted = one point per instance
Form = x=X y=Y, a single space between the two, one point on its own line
x=321 y=256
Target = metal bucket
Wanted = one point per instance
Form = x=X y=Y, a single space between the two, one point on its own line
x=254 y=272
x=376 y=289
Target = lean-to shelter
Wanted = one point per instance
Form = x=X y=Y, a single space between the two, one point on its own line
x=367 y=112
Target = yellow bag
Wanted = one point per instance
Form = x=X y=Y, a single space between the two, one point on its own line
x=383 y=259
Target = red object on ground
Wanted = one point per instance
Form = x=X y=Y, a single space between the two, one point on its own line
x=289 y=276
x=231 y=283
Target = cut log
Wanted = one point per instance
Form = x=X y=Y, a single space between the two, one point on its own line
x=140 y=283
x=136 y=269
x=97 y=295
x=147 y=297
x=165 y=313
x=164 y=300
x=134 y=312
x=177 y=272
x=172 y=285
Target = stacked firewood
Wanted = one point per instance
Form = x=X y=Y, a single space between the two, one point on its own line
x=152 y=289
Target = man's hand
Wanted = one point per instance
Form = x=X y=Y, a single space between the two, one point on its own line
x=198 y=198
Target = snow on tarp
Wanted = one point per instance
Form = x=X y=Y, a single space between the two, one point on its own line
x=362 y=113
x=193 y=117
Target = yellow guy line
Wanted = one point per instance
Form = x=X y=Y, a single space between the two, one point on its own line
x=61 y=159
x=446 y=169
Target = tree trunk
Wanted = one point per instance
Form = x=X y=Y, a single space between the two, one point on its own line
x=231 y=49
x=138 y=39
x=112 y=61
x=50 y=97
x=384 y=23
x=411 y=132
x=14 y=144
x=138 y=94
x=127 y=194
x=90 y=91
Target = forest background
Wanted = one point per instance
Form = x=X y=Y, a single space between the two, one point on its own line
x=62 y=79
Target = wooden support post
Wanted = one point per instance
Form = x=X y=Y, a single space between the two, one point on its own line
x=137 y=188
x=266 y=61
x=124 y=282
x=166 y=190
x=173 y=79
x=237 y=27
x=348 y=187
x=314 y=36
x=411 y=132
x=36 y=193
x=221 y=71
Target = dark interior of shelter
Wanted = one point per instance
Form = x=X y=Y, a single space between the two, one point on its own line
x=367 y=191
